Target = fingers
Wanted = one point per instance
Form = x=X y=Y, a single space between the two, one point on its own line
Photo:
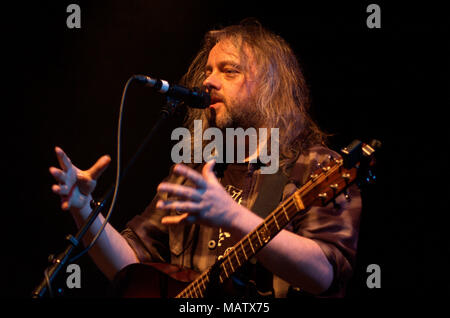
x=174 y=219
x=97 y=169
x=60 y=189
x=65 y=193
x=208 y=171
x=188 y=207
x=65 y=205
x=190 y=174
x=63 y=159
x=185 y=206
x=178 y=219
x=58 y=174
x=181 y=191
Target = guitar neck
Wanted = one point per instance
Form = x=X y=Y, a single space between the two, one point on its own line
x=245 y=249
x=253 y=242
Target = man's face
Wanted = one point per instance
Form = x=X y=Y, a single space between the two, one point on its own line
x=231 y=86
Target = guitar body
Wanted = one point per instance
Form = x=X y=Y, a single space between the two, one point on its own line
x=152 y=280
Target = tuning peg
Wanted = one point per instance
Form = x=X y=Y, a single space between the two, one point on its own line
x=332 y=159
x=346 y=176
x=325 y=169
x=346 y=195
x=323 y=196
x=334 y=186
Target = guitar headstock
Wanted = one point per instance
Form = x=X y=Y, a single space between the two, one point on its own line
x=362 y=156
x=332 y=179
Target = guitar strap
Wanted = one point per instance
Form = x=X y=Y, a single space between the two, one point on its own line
x=270 y=192
x=271 y=187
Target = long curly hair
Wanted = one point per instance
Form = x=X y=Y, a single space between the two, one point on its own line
x=283 y=98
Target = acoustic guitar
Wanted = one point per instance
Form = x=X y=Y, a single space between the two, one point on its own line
x=162 y=280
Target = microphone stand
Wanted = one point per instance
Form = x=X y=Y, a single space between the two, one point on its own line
x=59 y=261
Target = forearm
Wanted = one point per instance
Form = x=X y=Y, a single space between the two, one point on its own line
x=296 y=259
x=111 y=252
x=299 y=261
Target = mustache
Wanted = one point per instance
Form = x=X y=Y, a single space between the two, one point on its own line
x=216 y=97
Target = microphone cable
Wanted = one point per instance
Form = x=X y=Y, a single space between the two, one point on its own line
x=118 y=176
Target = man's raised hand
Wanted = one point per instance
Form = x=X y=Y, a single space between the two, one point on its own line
x=74 y=185
x=207 y=202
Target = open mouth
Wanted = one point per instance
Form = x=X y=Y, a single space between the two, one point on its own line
x=215 y=100
x=213 y=104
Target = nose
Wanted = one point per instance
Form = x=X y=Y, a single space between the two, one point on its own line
x=212 y=82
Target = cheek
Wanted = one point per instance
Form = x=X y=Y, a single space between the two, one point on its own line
x=251 y=88
x=238 y=93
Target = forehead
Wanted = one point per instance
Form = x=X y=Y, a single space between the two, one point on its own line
x=224 y=50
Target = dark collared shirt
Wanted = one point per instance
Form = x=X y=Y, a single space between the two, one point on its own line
x=334 y=227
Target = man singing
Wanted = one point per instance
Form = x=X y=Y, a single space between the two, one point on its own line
x=255 y=81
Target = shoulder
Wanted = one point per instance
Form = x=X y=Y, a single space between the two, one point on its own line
x=310 y=160
x=319 y=154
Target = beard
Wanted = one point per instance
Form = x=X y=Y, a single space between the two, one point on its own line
x=237 y=113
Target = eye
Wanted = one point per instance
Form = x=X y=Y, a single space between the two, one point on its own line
x=230 y=71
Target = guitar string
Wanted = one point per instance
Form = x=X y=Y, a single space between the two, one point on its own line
x=272 y=220
x=252 y=237
x=193 y=286
x=280 y=210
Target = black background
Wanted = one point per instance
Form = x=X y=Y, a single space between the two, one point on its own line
x=63 y=88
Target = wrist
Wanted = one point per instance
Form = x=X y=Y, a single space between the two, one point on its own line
x=243 y=221
x=83 y=211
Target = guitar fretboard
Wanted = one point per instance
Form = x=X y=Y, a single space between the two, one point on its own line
x=245 y=249
x=332 y=179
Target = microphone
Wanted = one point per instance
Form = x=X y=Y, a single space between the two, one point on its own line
x=195 y=98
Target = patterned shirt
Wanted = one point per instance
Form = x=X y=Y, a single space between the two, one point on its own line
x=334 y=228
